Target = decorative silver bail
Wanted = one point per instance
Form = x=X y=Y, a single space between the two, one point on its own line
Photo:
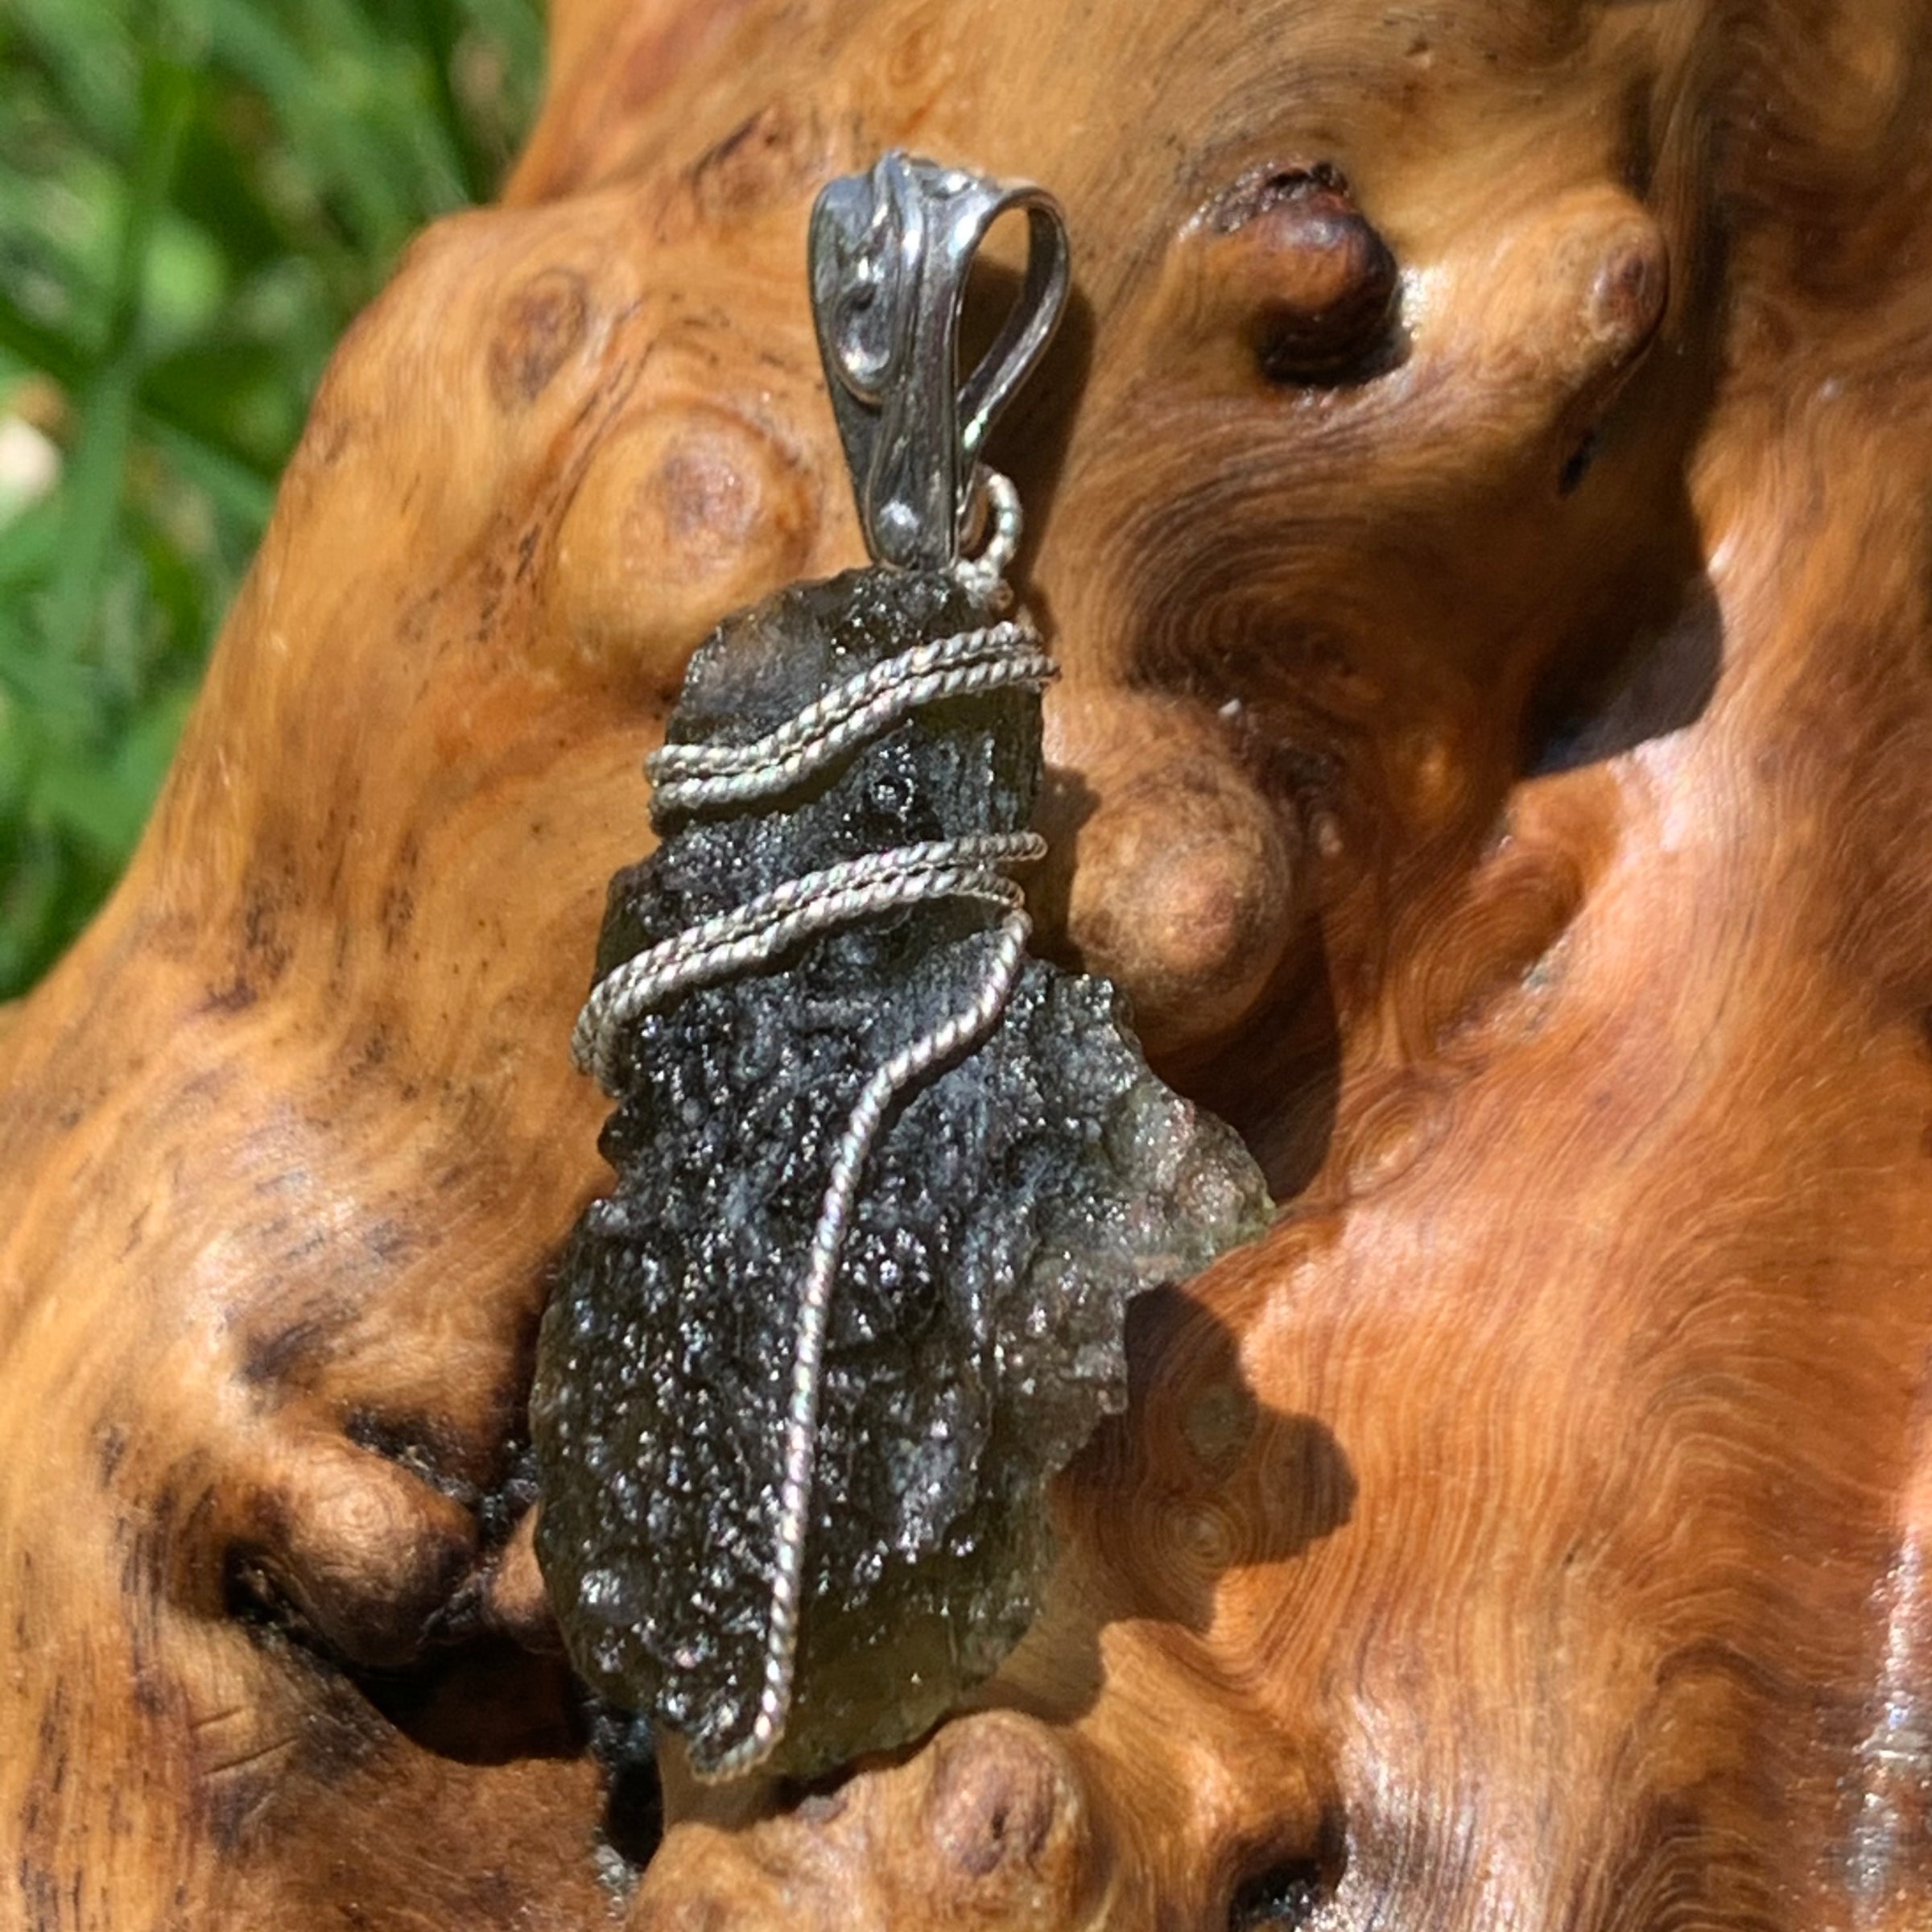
x=890 y=252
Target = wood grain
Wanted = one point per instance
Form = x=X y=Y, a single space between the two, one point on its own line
x=1479 y=501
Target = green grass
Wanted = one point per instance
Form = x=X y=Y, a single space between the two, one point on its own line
x=196 y=196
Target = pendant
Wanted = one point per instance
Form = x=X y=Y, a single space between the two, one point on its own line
x=885 y=1182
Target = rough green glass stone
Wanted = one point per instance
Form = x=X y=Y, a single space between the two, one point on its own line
x=1013 y=1205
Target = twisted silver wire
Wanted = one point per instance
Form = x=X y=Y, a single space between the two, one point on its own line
x=689 y=777
x=693 y=776
x=762 y=928
x=983 y=575
x=965 y=1028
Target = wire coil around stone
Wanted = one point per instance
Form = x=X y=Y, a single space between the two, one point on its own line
x=695 y=777
x=689 y=777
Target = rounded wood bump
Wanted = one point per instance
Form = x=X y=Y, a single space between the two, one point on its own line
x=1284 y=251
x=687 y=510
x=987 y=1826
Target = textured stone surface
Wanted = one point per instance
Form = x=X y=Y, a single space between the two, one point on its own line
x=1011 y=1205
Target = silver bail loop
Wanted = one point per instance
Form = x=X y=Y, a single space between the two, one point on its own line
x=890 y=252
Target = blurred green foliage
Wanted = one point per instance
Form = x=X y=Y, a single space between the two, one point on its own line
x=196 y=196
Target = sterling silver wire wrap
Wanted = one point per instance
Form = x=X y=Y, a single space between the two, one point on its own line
x=732 y=942
x=693 y=776
x=690 y=777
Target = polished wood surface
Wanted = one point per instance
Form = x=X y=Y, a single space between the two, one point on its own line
x=1480 y=500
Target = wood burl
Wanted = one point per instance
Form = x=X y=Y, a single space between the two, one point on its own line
x=1479 y=502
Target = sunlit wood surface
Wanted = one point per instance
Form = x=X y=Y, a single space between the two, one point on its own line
x=1481 y=505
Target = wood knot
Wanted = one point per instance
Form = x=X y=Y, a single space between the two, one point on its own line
x=1307 y=276
x=350 y=1548
x=767 y=160
x=541 y=322
x=1586 y=282
x=686 y=511
x=1186 y=894
x=1627 y=297
x=1002 y=1808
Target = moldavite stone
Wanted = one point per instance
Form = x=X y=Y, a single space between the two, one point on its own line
x=1013 y=1205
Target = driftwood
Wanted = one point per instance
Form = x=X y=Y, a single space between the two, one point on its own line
x=1479 y=502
